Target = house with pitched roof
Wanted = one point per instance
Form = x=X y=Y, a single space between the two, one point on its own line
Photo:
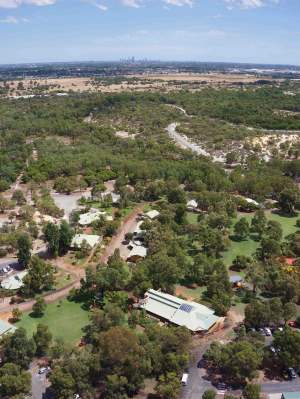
x=192 y=315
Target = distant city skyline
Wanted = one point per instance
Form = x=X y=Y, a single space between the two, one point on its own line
x=241 y=31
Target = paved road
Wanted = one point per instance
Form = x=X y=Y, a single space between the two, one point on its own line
x=39 y=383
x=185 y=143
x=280 y=387
x=197 y=383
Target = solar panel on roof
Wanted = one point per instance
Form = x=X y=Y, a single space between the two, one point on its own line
x=185 y=307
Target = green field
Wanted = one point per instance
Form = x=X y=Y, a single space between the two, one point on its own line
x=65 y=320
x=249 y=246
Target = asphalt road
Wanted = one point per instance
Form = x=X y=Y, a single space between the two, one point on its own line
x=280 y=387
x=184 y=142
x=197 y=383
x=39 y=383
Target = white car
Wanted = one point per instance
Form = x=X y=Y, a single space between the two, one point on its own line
x=268 y=332
x=44 y=370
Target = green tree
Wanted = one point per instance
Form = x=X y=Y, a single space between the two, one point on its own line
x=237 y=361
x=259 y=223
x=39 y=307
x=52 y=236
x=209 y=394
x=176 y=196
x=242 y=229
x=16 y=314
x=65 y=237
x=115 y=387
x=288 y=199
x=252 y=391
x=274 y=230
x=123 y=354
x=289 y=311
x=14 y=381
x=162 y=270
x=269 y=248
x=257 y=314
x=18 y=349
x=241 y=262
x=168 y=386
x=287 y=344
x=63 y=383
x=255 y=274
x=24 y=249
x=18 y=196
x=40 y=277
x=180 y=214
x=42 y=338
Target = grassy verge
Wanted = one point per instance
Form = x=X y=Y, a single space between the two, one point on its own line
x=65 y=320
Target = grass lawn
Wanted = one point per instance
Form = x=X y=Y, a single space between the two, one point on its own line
x=65 y=320
x=249 y=246
x=62 y=279
x=192 y=217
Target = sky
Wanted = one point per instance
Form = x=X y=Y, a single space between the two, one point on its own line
x=257 y=31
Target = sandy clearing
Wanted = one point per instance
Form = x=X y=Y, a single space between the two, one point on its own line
x=69 y=202
x=125 y=135
x=208 y=77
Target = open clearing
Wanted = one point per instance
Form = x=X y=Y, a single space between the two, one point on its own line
x=65 y=320
x=207 y=77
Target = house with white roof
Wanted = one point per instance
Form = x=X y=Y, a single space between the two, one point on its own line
x=137 y=252
x=152 y=214
x=192 y=315
x=6 y=328
x=138 y=230
x=91 y=240
x=85 y=219
x=115 y=198
x=15 y=281
x=192 y=205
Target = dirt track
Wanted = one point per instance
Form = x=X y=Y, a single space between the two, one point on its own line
x=127 y=226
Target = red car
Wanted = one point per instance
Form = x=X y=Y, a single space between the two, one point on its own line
x=293 y=323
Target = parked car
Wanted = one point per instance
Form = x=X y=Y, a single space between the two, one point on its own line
x=44 y=370
x=291 y=373
x=184 y=379
x=221 y=386
x=268 y=332
x=293 y=323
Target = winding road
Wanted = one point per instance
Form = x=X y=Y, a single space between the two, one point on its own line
x=185 y=143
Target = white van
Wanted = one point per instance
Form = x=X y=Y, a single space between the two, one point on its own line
x=184 y=379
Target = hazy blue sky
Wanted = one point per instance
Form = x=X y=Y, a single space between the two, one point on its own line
x=266 y=31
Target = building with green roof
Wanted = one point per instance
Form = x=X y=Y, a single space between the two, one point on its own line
x=192 y=315
x=6 y=328
x=291 y=395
